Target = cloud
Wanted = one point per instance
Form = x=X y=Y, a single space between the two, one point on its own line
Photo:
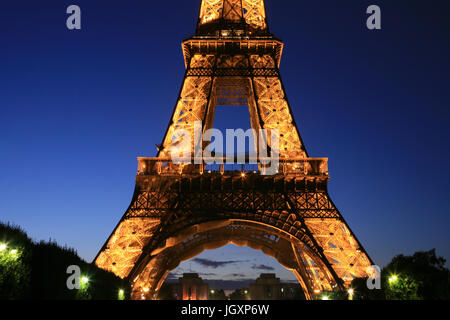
x=207 y=274
x=214 y=264
x=262 y=267
x=230 y=284
x=238 y=275
x=174 y=276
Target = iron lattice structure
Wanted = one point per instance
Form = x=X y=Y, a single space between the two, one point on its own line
x=178 y=210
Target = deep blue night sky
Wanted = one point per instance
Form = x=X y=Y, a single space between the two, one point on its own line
x=78 y=107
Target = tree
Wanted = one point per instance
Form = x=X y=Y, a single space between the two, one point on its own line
x=362 y=292
x=39 y=271
x=420 y=276
x=15 y=257
x=166 y=292
x=240 y=294
x=402 y=288
x=217 y=295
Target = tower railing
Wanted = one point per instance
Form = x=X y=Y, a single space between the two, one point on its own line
x=226 y=166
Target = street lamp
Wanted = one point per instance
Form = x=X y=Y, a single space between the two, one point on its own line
x=350 y=293
x=393 y=279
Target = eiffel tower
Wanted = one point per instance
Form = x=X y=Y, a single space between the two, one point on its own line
x=179 y=210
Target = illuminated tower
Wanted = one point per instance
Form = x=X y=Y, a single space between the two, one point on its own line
x=179 y=210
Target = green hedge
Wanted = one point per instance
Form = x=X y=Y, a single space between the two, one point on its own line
x=31 y=270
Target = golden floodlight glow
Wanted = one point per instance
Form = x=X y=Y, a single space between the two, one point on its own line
x=393 y=278
x=286 y=211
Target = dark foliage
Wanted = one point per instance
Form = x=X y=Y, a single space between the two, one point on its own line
x=166 y=292
x=218 y=295
x=239 y=294
x=422 y=276
x=361 y=292
x=295 y=294
x=40 y=272
x=424 y=273
x=333 y=295
x=15 y=268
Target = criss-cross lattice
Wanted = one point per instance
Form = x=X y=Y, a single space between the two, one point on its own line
x=179 y=210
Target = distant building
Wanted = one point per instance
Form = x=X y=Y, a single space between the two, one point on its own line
x=269 y=287
x=190 y=287
x=266 y=287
